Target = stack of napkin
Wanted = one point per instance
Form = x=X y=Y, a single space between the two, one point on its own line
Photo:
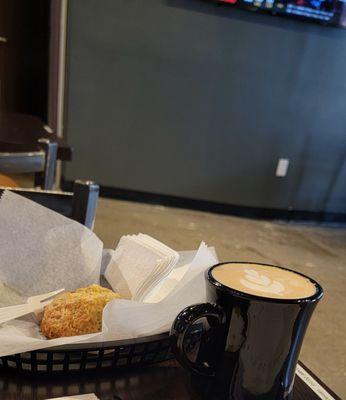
x=139 y=263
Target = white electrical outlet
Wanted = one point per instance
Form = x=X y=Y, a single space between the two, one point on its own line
x=282 y=167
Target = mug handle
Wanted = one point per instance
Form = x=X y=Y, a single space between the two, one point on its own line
x=182 y=323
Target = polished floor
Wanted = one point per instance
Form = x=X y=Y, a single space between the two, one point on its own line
x=314 y=250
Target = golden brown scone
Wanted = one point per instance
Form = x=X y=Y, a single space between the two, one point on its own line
x=76 y=313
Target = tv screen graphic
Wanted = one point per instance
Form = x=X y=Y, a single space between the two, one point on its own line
x=328 y=12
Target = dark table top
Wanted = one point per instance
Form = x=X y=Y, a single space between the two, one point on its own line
x=165 y=381
x=20 y=132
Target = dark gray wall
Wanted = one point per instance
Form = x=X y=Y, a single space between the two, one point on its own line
x=191 y=99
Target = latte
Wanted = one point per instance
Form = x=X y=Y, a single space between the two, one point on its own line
x=264 y=281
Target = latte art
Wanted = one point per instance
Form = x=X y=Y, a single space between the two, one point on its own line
x=253 y=280
x=264 y=280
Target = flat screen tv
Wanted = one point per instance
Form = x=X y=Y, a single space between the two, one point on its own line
x=328 y=12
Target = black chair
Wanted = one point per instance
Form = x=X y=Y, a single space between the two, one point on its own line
x=27 y=145
x=79 y=205
x=41 y=162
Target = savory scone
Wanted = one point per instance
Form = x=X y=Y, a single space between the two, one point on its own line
x=76 y=313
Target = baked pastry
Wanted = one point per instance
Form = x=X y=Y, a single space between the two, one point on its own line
x=76 y=313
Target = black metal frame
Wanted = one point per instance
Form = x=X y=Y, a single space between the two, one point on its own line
x=79 y=205
x=41 y=162
x=45 y=178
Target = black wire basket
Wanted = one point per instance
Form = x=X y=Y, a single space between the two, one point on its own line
x=98 y=356
x=91 y=357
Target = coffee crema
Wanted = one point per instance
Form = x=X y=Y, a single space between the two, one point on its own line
x=264 y=281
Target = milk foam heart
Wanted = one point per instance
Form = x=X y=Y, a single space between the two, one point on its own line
x=262 y=283
x=264 y=280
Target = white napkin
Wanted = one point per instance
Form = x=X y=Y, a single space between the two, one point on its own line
x=125 y=319
x=138 y=264
x=19 y=336
x=167 y=285
x=41 y=250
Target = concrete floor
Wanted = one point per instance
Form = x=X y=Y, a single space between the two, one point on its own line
x=319 y=252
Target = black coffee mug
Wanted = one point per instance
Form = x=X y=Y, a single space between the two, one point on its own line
x=252 y=343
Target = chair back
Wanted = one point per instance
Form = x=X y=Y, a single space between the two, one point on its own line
x=41 y=162
x=79 y=205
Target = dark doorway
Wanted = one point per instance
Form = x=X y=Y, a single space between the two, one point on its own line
x=24 y=56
